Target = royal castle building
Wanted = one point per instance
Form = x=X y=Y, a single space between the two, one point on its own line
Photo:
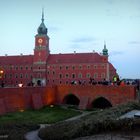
x=43 y=68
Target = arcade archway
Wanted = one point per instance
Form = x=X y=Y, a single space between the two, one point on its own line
x=71 y=99
x=101 y=103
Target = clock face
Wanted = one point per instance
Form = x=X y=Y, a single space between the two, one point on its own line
x=40 y=40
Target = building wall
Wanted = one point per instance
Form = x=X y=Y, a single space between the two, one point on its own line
x=16 y=99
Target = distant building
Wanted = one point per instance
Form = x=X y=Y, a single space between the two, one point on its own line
x=43 y=68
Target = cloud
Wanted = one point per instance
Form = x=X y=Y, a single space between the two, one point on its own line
x=134 y=43
x=114 y=53
x=53 y=28
x=83 y=40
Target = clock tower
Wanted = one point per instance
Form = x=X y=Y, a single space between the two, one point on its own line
x=41 y=53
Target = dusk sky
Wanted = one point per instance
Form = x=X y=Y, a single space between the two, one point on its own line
x=75 y=25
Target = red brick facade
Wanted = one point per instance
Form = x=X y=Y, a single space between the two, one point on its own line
x=43 y=68
x=13 y=99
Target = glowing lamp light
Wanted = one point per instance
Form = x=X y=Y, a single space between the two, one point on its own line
x=1 y=71
x=20 y=85
x=21 y=110
x=51 y=105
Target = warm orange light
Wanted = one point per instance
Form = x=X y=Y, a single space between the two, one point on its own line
x=21 y=110
x=1 y=71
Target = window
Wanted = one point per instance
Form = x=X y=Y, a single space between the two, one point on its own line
x=67 y=67
x=39 y=68
x=60 y=82
x=73 y=67
x=60 y=67
x=10 y=67
x=95 y=75
x=73 y=75
x=21 y=76
x=53 y=73
x=80 y=67
x=53 y=81
x=5 y=75
x=16 y=75
x=16 y=68
x=31 y=76
x=103 y=66
x=10 y=76
x=21 y=67
x=26 y=67
x=60 y=76
x=26 y=75
x=48 y=72
x=102 y=75
x=67 y=82
x=88 y=75
x=88 y=66
x=80 y=75
x=95 y=66
x=67 y=75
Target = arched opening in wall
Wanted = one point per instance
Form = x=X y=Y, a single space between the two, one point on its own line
x=101 y=103
x=71 y=99
x=39 y=82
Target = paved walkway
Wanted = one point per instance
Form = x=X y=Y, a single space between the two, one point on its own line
x=33 y=135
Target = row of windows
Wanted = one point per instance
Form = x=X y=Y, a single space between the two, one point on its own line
x=88 y=75
x=18 y=67
x=80 y=67
x=18 y=75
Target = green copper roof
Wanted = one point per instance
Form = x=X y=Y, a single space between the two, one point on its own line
x=42 y=28
x=105 y=50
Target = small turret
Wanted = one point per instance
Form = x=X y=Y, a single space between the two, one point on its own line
x=105 y=50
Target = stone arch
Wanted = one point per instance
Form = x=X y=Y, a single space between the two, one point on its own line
x=101 y=102
x=71 y=99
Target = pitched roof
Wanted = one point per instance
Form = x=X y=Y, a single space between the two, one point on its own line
x=74 y=58
x=16 y=60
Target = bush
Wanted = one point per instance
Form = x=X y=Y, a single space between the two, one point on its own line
x=101 y=121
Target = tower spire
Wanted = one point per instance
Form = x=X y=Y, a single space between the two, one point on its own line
x=42 y=15
x=105 y=50
x=104 y=44
x=42 y=28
